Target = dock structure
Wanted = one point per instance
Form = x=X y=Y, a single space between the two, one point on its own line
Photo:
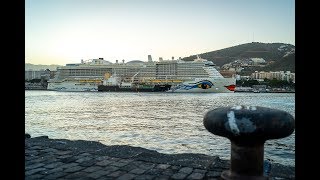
x=47 y=158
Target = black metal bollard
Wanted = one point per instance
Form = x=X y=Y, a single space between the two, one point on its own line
x=248 y=127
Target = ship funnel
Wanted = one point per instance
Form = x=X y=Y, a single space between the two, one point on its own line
x=149 y=58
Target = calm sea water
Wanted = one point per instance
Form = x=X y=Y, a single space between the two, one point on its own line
x=165 y=122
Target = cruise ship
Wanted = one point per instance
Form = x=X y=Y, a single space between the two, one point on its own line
x=199 y=75
x=84 y=76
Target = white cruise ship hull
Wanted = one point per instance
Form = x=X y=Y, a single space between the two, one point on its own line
x=72 y=86
x=221 y=85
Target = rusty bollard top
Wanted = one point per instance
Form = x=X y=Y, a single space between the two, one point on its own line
x=249 y=125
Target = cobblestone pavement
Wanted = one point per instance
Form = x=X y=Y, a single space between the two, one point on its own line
x=64 y=159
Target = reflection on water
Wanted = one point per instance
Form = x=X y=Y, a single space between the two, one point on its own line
x=165 y=122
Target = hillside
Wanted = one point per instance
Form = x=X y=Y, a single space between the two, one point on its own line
x=286 y=63
x=267 y=51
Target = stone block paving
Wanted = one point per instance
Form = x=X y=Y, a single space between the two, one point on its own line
x=46 y=163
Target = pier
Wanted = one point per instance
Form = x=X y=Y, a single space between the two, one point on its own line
x=47 y=158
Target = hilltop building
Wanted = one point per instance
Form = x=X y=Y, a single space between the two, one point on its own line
x=257 y=61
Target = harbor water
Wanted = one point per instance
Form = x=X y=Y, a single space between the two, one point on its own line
x=166 y=122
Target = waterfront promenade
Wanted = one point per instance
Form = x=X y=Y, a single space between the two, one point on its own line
x=47 y=158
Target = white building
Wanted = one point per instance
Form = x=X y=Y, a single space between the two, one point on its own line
x=31 y=74
x=279 y=75
x=257 y=61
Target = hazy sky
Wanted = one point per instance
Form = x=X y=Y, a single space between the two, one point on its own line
x=66 y=31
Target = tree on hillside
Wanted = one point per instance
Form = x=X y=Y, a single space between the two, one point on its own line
x=247 y=83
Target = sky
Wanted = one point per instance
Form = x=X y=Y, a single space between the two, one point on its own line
x=66 y=31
